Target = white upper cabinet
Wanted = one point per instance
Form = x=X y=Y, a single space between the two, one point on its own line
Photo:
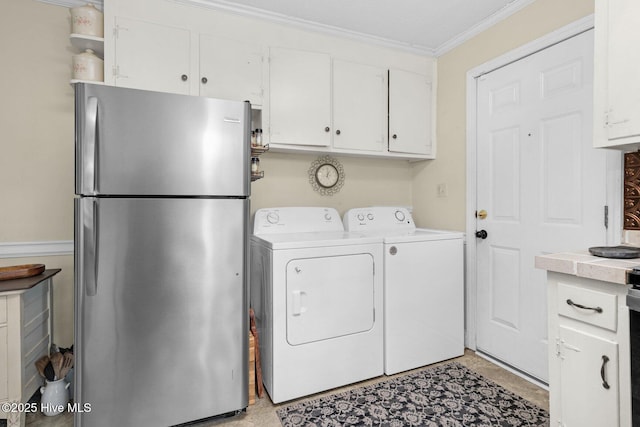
x=409 y=113
x=158 y=57
x=617 y=86
x=308 y=108
x=331 y=105
x=151 y=56
x=359 y=106
x=299 y=98
x=230 y=69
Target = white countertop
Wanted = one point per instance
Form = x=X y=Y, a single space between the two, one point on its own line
x=583 y=264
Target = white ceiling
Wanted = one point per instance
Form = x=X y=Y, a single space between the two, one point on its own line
x=426 y=26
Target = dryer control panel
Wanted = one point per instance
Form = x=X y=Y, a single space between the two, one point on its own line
x=296 y=220
x=379 y=218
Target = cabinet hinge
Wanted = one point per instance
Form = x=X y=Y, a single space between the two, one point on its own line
x=558 y=351
x=115 y=31
x=114 y=70
x=606 y=216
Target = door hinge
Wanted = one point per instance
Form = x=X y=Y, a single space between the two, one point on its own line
x=606 y=216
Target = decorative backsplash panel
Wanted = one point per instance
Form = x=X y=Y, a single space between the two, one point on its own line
x=632 y=191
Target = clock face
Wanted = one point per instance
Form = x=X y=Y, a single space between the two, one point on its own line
x=327 y=175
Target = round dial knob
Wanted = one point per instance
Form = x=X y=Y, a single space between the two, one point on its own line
x=327 y=216
x=360 y=217
x=400 y=216
x=273 y=218
x=370 y=217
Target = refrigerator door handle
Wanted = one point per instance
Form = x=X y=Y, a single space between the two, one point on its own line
x=90 y=255
x=90 y=141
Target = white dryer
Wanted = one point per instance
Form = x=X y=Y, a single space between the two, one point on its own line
x=423 y=287
x=317 y=296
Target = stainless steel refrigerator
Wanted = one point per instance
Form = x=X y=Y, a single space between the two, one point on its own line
x=161 y=229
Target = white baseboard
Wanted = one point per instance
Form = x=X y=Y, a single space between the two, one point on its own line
x=513 y=370
x=32 y=249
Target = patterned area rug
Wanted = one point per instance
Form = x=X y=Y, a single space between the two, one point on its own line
x=446 y=396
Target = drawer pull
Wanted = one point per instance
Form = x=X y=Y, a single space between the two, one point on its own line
x=573 y=304
x=605 y=384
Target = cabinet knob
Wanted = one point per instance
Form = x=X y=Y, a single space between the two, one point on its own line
x=394 y=136
x=327 y=129
x=338 y=132
x=184 y=77
x=204 y=80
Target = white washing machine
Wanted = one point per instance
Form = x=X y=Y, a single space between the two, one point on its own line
x=423 y=287
x=317 y=296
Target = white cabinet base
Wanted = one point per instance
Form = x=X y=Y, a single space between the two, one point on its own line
x=25 y=336
x=589 y=354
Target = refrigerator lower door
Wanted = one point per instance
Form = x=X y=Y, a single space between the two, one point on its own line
x=161 y=310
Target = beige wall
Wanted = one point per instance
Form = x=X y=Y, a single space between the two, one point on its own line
x=536 y=20
x=367 y=182
x=36 y=140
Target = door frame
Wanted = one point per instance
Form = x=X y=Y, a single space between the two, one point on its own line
x=614 y=164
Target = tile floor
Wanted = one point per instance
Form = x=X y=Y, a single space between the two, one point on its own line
x=263 y=413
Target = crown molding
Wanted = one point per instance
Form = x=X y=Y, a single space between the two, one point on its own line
x=502 y=14
x=74 y=3
x=33 y=249
x=243 y=10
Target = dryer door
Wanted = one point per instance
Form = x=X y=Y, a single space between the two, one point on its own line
x=329 y=297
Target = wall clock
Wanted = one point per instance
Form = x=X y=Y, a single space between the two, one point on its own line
x=326 y=175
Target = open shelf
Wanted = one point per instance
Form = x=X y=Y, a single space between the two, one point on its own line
x=84 y=42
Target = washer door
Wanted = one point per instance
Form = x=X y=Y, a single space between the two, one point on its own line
x=329 y=297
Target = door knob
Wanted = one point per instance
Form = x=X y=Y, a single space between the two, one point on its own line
x=482 y=214
x=482 y=234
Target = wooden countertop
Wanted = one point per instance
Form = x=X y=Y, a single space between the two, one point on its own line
x=26 y=282
x=583 y=264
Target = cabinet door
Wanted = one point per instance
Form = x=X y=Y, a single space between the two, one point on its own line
x=230 y=69
x=617 y=40
x=585 y=400
x=359 y=106
x=151 y=56
x=299 y=97
x=409 y=113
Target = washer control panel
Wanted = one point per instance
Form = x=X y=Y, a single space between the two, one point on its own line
x=296 y=220
x=378 y=218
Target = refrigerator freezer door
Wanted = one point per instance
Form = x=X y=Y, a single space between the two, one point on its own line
x=135 y=142
x=161 y=310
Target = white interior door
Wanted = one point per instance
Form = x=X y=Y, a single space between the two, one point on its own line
x=543 y=187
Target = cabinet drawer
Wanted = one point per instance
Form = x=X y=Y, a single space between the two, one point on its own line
x=3 y=310
x=589 y=306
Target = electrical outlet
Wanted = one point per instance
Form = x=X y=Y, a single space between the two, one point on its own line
x=442 y=190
